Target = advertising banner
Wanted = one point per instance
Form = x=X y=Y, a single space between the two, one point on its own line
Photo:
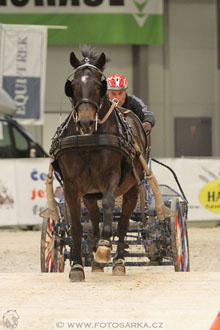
x=23 y=68
x=200 y=181
x=91 y=21
x=31 y=196
x=23 y=190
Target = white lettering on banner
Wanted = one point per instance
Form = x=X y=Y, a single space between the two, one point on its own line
x=20 y=97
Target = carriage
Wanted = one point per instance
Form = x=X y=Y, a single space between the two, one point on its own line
x=110 y=209
x=151 y=242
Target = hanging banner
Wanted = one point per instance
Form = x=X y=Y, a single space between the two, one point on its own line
x=23 y=68
x=91 y=21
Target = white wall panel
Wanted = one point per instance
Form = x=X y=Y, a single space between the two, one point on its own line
x=192 y=23
x=156 y=74
x=187 y=86
x=52 y=121
x=158 y=133
x=192 y=75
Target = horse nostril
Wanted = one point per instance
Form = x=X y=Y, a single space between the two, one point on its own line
x=85 y=122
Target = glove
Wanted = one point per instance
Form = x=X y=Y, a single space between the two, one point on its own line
x=147 y=127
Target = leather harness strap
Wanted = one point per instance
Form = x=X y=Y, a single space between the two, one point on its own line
x=101 y=121
x=96 y=141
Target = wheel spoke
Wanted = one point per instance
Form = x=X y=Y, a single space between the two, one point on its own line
x=52 y=259
x=179 y=238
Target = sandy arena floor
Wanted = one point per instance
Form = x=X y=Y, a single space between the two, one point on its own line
x=147 y=297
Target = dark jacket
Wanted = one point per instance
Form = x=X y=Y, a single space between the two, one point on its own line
x=139 y=108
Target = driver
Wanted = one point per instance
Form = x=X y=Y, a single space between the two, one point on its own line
x=117 y=86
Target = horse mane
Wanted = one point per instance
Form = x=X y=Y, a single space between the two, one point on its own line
x=92 y=55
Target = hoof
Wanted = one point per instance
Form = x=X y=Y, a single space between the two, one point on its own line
x=97 y=267
x=103 y=252
x=118 y=268
x=76 y=273
x=154 y=262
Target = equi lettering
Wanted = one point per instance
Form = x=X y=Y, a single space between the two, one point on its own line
x=21 y=97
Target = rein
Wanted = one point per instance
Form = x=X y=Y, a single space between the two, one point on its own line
x=113 y=106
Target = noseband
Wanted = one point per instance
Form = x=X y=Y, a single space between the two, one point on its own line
x=87 y=100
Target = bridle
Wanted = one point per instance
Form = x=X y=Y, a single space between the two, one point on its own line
x=75 y=106
x=87 y=65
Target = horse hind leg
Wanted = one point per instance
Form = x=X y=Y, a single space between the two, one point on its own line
x=128 y=205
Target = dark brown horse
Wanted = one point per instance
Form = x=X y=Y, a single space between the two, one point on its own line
x=92 y=171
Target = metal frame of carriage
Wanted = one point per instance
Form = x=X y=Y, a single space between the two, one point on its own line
x=150 y=242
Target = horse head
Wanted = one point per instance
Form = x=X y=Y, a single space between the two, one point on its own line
x=87 y=89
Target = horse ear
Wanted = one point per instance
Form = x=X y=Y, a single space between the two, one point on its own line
x=69 y=88
x=100 y=63
x=74 y=60
x=103 y=87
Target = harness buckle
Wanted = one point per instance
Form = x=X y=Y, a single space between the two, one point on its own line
x=115 y=101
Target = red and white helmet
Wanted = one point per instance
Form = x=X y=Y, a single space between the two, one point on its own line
x=117 y=82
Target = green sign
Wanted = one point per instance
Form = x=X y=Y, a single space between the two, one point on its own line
x=91 y=21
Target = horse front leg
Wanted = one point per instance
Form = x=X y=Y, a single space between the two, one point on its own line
x=76 y=273
x=94 y=216
x=103 y=252
x=128 y=205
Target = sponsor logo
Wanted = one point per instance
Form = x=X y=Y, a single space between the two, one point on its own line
x=6 y=198
x=209 y=196
x=37 y=176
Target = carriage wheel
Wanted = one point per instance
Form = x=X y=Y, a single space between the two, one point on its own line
x=52 y=258
x=179 y=237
